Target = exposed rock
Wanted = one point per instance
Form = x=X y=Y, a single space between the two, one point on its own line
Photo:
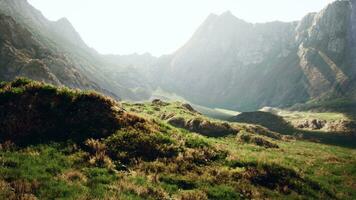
x=204 y=127
x=177 y=122
x=314 y=124
x=339 y=126
x=166 y=116
x=159 y=102
x=189 y=107
x=257 y=140
x=289 y=63
x=52 y=51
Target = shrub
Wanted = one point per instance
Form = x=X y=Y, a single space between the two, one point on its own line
x=35 y=112
x=259 y=141
x=279 y=178
x=129 y=144
x=98 y=156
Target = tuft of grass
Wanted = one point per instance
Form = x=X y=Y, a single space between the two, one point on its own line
x=258 y=140
x=222 y=192
x=129 y=144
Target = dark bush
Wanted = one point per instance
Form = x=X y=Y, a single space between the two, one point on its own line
x=33 y=112
x=279 y=178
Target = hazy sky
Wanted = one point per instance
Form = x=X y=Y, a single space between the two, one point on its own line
x=160 y=26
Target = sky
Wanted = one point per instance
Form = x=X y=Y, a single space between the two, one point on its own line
x=160 y=26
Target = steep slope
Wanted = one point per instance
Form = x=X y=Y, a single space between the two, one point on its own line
x=23 y=55
x=60 y=39
x=232 y=63
x=324 y=49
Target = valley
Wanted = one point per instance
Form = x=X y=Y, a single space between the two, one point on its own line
x=146 y=155
x=241 y=111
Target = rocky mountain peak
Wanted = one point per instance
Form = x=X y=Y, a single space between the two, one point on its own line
x=227 y=13
x=64 y=21
x=288 y=62
x=65 y=28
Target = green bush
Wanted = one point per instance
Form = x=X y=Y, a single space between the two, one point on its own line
x=36 y=112
x=128 y=144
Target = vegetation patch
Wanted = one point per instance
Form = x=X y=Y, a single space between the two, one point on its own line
x=204 y=127
x=257 y=140
x=129 y=144
x=144 y=157
x=33 y=111
x=279 y=178
x=269 y=120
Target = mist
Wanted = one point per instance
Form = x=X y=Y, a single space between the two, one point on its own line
x=160 y=26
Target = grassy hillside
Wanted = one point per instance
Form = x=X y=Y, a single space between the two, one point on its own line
x=158 y=150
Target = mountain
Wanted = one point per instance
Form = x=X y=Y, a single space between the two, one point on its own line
x=239 y=65
x=228 y=62
x=63 y=143
x=54 y=52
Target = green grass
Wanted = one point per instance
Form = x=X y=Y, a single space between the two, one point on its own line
x=147 y=158
x=43 y=169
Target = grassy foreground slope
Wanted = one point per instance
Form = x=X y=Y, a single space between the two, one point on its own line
x=58 y=143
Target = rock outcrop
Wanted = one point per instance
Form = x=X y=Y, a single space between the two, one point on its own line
x=52 y=51
x=243 y=66
x=338 y=126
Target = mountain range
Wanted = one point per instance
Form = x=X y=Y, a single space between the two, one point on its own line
x=227 y=63
x=238 y=65
x=60 y=140
x=35 y=47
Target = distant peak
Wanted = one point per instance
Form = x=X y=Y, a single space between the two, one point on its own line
x=227 y=13
x=212 y=15
x=63 y=20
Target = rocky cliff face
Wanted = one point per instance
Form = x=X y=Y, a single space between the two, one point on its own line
x=53 y=51
x=323 y=50
x=229 y=62
x=352 y=37
x=22 y=55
